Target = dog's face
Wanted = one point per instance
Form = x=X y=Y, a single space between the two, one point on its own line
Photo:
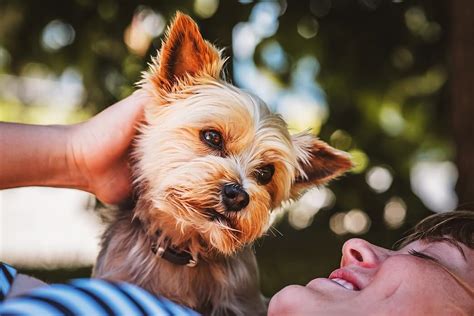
x=212 y=160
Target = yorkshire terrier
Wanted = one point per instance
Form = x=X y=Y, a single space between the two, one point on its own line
x=211 y=162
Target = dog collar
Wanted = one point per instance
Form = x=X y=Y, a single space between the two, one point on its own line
x=177 y=257
x=169 y=253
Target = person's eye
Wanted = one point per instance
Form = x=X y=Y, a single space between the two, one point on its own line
x=212 y=138
x=264 y=174
x=421 y=255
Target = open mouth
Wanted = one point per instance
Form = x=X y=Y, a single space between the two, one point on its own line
x=345 y=284
x=346 y=279
x=214 y=215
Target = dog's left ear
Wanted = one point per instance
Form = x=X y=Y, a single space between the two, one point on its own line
x=184 y=52
x=318 y=162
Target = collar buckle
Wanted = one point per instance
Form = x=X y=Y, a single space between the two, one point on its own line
x=172 y=255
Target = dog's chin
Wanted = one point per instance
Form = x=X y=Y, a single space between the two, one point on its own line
x=219 y=218
x=222 y=232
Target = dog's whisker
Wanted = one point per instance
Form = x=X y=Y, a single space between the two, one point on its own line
x=226 y=227
x=273 y=230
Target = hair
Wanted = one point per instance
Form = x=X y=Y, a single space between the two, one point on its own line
x=454 y=227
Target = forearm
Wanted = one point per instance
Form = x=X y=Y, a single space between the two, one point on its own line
x=32 y=155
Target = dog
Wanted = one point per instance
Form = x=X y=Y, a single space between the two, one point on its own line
x=210 y=163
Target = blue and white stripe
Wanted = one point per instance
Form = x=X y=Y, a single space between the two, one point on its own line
x=7 y=275
x=91 y=297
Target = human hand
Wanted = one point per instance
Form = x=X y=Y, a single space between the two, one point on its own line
x=99 y=148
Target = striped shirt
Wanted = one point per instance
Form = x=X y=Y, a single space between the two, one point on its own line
x=84 y=297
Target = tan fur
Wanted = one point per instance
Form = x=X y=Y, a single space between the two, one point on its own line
x=179 y=177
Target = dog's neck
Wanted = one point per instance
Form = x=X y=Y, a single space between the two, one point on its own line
x=217 y=285
x=178 y=249
x=164 y=248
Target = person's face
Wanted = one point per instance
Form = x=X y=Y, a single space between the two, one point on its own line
x=377 y=281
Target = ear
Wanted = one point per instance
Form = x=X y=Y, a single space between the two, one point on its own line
x=184 y=52
x=317 y=161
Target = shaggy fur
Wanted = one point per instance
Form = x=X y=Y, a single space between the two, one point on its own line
x=180 y=180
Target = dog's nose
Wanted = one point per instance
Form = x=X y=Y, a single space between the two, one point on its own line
x=234 y=197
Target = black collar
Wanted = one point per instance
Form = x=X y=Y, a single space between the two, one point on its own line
x=170 y=254
x=166 y=251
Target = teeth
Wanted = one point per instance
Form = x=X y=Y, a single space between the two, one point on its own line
x=344 y=284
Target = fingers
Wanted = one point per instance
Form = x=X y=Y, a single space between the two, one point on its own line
x=110 y=134
x=127 y=111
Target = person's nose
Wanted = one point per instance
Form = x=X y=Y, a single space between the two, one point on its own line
x=362 y=253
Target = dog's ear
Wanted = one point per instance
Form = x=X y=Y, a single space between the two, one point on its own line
x=318 y=162
x=184 y=53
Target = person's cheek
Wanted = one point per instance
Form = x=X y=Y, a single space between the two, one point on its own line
x=406 y=285
x=392 y=275
x=294 y=300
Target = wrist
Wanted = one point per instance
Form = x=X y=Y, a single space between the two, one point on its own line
x=75 y=158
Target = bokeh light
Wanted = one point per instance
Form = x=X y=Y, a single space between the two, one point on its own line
x=308 y=27
x=360 y=160
x=418 y=24
x=264 y=18
x=391 y=120
x=205 y=8
x=301 y=213
x=340 y=139
x=146 y=25
x=244 y=41
x=379 y=179
x=395 y=212
x=357 y=222
x=291 y=105
x=56 y=35
x=274 y=57
x=434 y=183
x=336 y=223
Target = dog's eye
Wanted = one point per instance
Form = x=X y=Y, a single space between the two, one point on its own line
x=264 y=175
x=212 y=138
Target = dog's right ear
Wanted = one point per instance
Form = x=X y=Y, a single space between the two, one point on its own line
x=184 y=53
x=318 y=162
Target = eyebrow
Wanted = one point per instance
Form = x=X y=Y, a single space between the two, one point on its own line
x=453 y=243
x=458 y=247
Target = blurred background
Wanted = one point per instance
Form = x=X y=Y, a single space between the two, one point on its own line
x=389 y=81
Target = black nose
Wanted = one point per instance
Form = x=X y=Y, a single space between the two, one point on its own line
x=234 y=197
